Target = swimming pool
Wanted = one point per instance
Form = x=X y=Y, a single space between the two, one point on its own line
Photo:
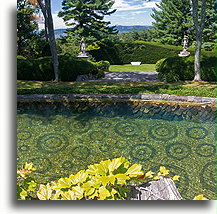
x=61 y=138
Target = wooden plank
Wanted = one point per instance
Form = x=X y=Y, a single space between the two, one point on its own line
x=162 y=189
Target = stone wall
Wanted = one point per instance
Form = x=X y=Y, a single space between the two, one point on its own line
x=166 y=110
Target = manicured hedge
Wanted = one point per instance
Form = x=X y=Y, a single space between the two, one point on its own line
x=107 y=53
x=145 y=52
x=124 y=53
x=42 y=69
x=70 y=67
x=174 y=69
x=34 y=69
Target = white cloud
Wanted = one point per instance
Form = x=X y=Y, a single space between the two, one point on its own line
x=138 y=12
x=127 y=13
x=151 y=4
x=58 y=22
x=122 y=5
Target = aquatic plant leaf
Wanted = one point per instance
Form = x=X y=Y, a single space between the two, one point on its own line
x=103 y=193
x=64 y=183
x=95 y=194
x=78 y=192
x=149 y=174
x=29 y=166
x=176 y=178
x=164 y=171
x=23 y=194
x=94 y=182
x=121 y=178
x=92 y=169
x=112 y=179
x=102 y=169
x=115 y=163
x=135 y=170
x=89 y=191
x=32 y=185
x=44 y=192
x=200 y=197
x=104 y=179
x=80 y=177
x=156 y=178
x=69 y=195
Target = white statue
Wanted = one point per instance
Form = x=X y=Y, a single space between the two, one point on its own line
x=185 y=45
x=83 y=54
x=83 y=46
x=185 y=51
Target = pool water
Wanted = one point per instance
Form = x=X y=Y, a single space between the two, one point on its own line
x=61 y=143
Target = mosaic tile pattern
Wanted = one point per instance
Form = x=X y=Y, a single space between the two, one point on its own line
x=61 y=144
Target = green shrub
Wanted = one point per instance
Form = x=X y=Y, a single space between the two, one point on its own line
x=21 y=57
x=107 y=53
x=174 y=69
x=41 y=69
x=103 y=65
x=158 y=64
x=35 y=69
x=145 y=52
x=208 y=65
x=100 y=74
x=70 y=67
x=70 y=50
x=45 y=67
x=124 y=53
x=169 y=77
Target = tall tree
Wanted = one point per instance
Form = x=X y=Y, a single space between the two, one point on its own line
x=199 y=22
x=87 y=19
x=210 y=21
x=26 y=26
x=172 y=21
x=45 y=6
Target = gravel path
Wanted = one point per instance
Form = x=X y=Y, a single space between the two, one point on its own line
x=143 y=76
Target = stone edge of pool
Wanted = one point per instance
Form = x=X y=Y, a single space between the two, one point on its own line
x=121 y=97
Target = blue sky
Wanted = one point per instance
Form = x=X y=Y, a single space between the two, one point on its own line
x=129 y=12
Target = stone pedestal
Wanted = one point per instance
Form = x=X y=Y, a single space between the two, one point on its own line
x=84 y=56
x=184 y=53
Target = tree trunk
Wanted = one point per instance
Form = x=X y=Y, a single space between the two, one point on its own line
x=198 y=26
x=197 y=73
x=52 y=40
x=46 y=10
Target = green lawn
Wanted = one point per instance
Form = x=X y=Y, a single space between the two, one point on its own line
x=202 y=89
x=129 y=67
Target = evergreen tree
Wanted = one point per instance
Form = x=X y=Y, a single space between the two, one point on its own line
x=172 y=21
x=26 y=26
x=210 y=21
x=86 y=18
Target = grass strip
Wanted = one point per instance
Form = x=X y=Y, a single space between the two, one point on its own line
x=181 y=89
x=132 y=68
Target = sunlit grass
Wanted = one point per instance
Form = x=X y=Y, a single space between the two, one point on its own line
x=134 y=68
x=203 y=89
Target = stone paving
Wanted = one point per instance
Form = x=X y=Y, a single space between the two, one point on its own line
x=144 y=96
x=143 y=76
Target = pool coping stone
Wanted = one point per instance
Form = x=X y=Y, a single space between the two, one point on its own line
x=142 y=97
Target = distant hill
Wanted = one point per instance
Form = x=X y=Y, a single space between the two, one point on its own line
x=59 y=32
x=120 y=28
x=127 y=29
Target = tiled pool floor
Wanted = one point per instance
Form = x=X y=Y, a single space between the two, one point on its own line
x=61 y=145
